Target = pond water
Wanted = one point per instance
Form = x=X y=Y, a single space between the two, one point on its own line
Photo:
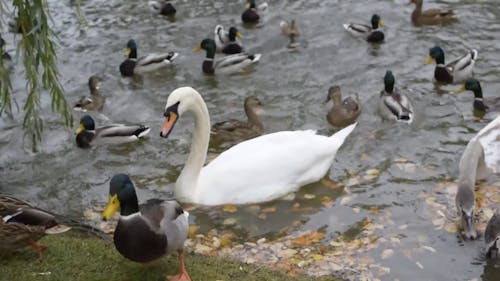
x=386 y=167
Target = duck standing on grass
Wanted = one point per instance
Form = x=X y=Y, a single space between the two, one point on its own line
x=430 y=16
x=94 y=102
x=394 y=105
x=456 y=71
x=22 y=225
x=344 y=112
x=87 y=134
x=371 y=33
x=133 y=65
x=148 y=231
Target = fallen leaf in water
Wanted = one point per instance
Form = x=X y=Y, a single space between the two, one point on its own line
x=263 y=216
x=346 y=200
x=309 y=196
x=329 y=183
x=419 y=265
x=229 y=221
x=430 y=249
x=192 y=230
x=374 y=210
x=308 y=238
x=229 y=208
x=269 y=210
x=318 y=257
x=451 y=228
x=387 y=253
x=326 y=201
x=372 y=174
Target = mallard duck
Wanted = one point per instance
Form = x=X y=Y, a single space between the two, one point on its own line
x=227 y=65
x=289 y=29
x=240 y=175
x=162 y=7
x=253 y=13
x=481 y=157
x=22 y=225
x=344 y=112
x=233 y=46
x=371 y=34
x=492 y=236
x=93 y=102
x=86 y=134
x=133 y=65
x=6 y=58
x=221 y=37
x=394 y=105
x=431 y=16
x=236 y=130
x=479 y=104
x=455 y=71
x=148 y=231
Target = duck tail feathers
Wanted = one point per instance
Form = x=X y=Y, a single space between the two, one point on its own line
x=346 y=26
x=172 y=55
x=255 y=58
x=473 y=54
x=142 y=131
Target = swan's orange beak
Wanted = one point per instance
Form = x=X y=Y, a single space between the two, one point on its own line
x=168 y=125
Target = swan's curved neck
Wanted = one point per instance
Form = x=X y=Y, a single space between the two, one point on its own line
x=188 y=179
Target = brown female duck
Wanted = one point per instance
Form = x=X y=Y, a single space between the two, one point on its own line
x=431 y=16
x=237 y=130
x=344 y=112
x=93 y=102
x=22 y=225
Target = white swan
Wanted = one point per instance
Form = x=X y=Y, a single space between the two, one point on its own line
x=257 y=170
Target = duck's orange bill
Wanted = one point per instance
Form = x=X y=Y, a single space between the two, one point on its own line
x=169 y=124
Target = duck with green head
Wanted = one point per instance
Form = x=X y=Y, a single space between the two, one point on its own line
x=148 y=231
x=253 y=13
x=148 y=63
x=480 y=104
x=87 y=134
x=370 y=33
x=227 y=65
x=393 y=104
x=456 y=71
x=93 y=102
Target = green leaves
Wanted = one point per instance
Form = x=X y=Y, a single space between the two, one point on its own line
x=40 y=64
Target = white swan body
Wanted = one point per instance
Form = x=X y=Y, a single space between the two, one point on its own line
x=257 y=170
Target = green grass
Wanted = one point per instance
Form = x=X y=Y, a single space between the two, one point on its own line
x=90 y=259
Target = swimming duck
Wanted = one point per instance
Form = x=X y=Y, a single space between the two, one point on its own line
x=23 y=225
x=481 y=157
x=394 y=105
x=344 y=112
x=431 y=16
x=456 y=71
x=240 y=175
x=492 y=236
x=162 y=7
x=289 y=29
x=221 y=37
x=233 y=46
x=227 y=65
x=479 y=104
x=236 y=130
x=86 y=134
x=133 y=65
x=148 y=231
x=6 y=58
x=371 y=34
x=253 y=13
x=93 y=102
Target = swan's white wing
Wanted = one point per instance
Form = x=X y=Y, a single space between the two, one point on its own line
x=489 y=137
x=268 y=167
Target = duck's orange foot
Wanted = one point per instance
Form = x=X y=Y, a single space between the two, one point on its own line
x=38 y=248
x=183 y=276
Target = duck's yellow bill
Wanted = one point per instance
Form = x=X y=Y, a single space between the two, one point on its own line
x=460 y=90
x=238 y=34
x=247 y=5
x=168 y=125
x=428 y=60
x=111 y=208
x=380 y=23
x=197 y=49
x=80 y=129
x=128 y=51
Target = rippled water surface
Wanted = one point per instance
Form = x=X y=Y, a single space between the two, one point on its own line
x=292 y=84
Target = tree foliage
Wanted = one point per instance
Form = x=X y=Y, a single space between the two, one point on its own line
x=36 y=47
